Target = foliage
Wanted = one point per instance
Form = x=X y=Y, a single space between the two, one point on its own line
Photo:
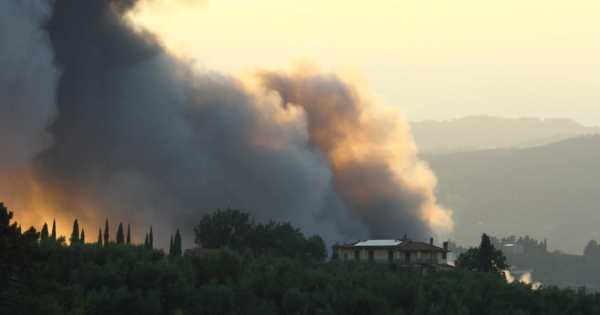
x=485 y=258
x=106 y=235
x=45 y=234
x=592 y=249
x=120 y=234
x=53 y=236
x=151 y=239
x=235 y=230
x=227 y=228
x=52 y=278
x=75 y=235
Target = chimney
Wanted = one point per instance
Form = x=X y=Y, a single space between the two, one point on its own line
x=446 y=245
x=431 y=241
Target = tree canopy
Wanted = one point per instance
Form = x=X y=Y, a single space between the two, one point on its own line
x=53 y=278
x=120 y=234
x=228 y=228
x=483 y=258
x=236 y=230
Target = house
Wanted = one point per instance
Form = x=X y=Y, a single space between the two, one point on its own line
x=513 y=248
x=397 y=252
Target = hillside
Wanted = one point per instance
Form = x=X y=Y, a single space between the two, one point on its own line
x=560 y=269
x=484 y=132
x=548 y=192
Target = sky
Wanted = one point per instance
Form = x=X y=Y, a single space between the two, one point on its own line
x=433 y=59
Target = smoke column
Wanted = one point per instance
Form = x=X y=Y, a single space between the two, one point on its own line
x=28 y=80
x=372 y=155
x=139 y=137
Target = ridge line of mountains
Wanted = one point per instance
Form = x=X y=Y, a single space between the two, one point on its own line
x=541 y=180
x=484 y=132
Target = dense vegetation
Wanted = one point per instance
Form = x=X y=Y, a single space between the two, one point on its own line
x=484 y=258
x=592 y=249
x=49 y=277
x=234 y=229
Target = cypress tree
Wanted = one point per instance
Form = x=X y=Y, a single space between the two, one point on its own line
x=486 y=253
x=75 y=235
x=54 y=230
x=128 y=234
x=45 y=232
x=177 y=244
x=82 y=238
x=171 y=247
x=100 y=236
x=19 y=229
x=120 y=234
x=146 y=243
x=106 y=233
x=151 y=239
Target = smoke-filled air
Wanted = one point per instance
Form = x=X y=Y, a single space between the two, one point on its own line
x=102 y=121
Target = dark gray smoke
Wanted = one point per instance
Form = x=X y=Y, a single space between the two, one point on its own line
x=140 y=138
x=28 y=80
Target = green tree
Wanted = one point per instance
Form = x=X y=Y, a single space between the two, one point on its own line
x=146 y=242
x=128 y=234
x=100 y=236
x=177 y=244
x=75 y=235
x=315 y=248
x=229 y=228
x=484 y=258
x=486 y=251
x=82 y=238
x=335 y=253
x=54 y=229
x=151 y=239
x=171 y=247
x=106 y=233
x=120 y=234
x=45 y=234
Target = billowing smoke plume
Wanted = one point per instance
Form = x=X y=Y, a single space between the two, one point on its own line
x=140 y=138
x=28 y=80
x=371 y=153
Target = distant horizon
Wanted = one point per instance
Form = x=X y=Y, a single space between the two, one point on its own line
x=543 y=119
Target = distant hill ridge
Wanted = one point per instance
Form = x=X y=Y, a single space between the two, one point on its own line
x=548 y=192
x=484 y=132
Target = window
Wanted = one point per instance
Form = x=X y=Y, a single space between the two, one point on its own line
x=346 y=256
x=371 y=256
x=444 y=255
x=356 y=255
x=391 y=256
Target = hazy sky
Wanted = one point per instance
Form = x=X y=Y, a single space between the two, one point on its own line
x=434 y=59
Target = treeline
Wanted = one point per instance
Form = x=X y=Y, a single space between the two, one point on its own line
x=234 y=229
x=530 y=244
x=592 y=249
x=52 y=278
x=77 y=238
